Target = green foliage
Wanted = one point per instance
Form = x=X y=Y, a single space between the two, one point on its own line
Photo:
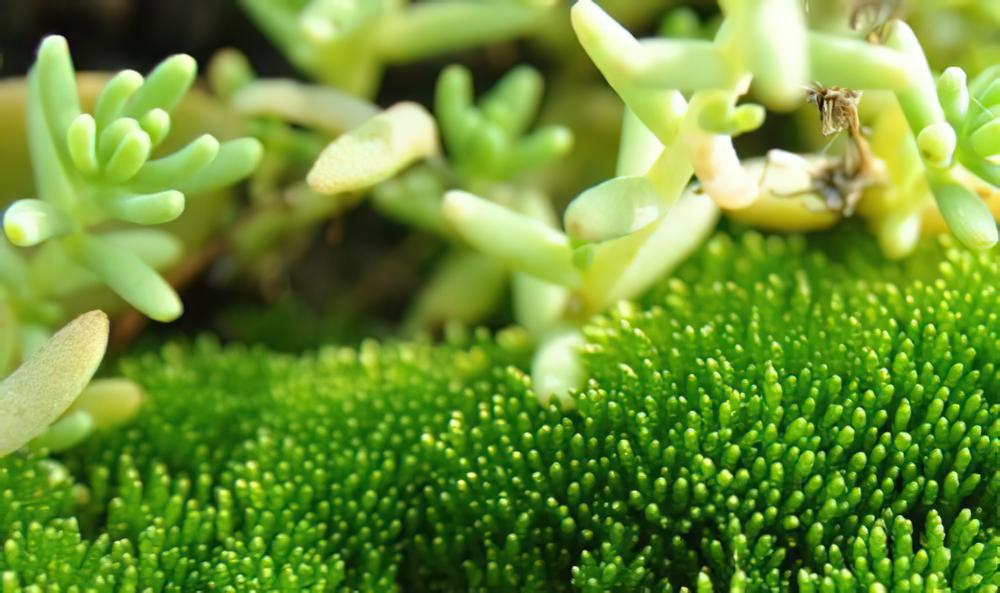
x=37 y=393
x=347 y=43
x=776 y=417
x=485 y=141
x=972 y=112
x=97 y=169
x=957 y=139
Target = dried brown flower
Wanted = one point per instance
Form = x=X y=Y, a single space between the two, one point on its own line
x=841 y=181
x=838 y=108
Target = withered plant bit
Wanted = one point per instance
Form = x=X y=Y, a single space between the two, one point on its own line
x=842 y=186
x=838 y=108
x=839 y=188
x=840 y=181
x=859 y=169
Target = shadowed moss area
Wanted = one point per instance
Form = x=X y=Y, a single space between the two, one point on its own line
x=777 y=416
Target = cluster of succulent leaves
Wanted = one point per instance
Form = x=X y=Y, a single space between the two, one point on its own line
x=778 y=416
x=490 y=149
x=668 y=136
x=951 y=125
x=346 y=44
x=91 y=169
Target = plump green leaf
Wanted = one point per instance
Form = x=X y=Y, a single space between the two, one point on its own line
x=44 y=386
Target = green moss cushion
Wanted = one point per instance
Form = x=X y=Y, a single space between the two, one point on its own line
x=775 y=417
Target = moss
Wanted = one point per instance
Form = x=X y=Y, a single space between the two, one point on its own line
x=775 y=417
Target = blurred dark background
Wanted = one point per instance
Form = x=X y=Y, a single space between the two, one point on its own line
x=115 y=34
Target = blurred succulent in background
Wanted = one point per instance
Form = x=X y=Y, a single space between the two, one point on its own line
x=490 y=149
x=293 y=121
x=347 y=43
x=491 y=141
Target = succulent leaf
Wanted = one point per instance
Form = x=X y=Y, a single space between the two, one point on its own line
x=47 y=383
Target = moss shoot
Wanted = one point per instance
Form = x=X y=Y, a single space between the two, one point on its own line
x=778 y=416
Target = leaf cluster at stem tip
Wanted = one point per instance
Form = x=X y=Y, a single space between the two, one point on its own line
x=91 y=168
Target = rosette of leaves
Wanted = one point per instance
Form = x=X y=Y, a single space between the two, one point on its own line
x=958 y=137
x=97 y=169
x=493 y=151
x=973 y=109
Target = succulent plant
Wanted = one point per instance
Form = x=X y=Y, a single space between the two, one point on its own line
x=748 y=54
x=99 y=167
x=347 y=43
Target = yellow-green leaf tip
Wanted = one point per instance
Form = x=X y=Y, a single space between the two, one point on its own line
x=46 y=384
x=375 y=151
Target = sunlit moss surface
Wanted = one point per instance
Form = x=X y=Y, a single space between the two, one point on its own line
x=778 y=416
